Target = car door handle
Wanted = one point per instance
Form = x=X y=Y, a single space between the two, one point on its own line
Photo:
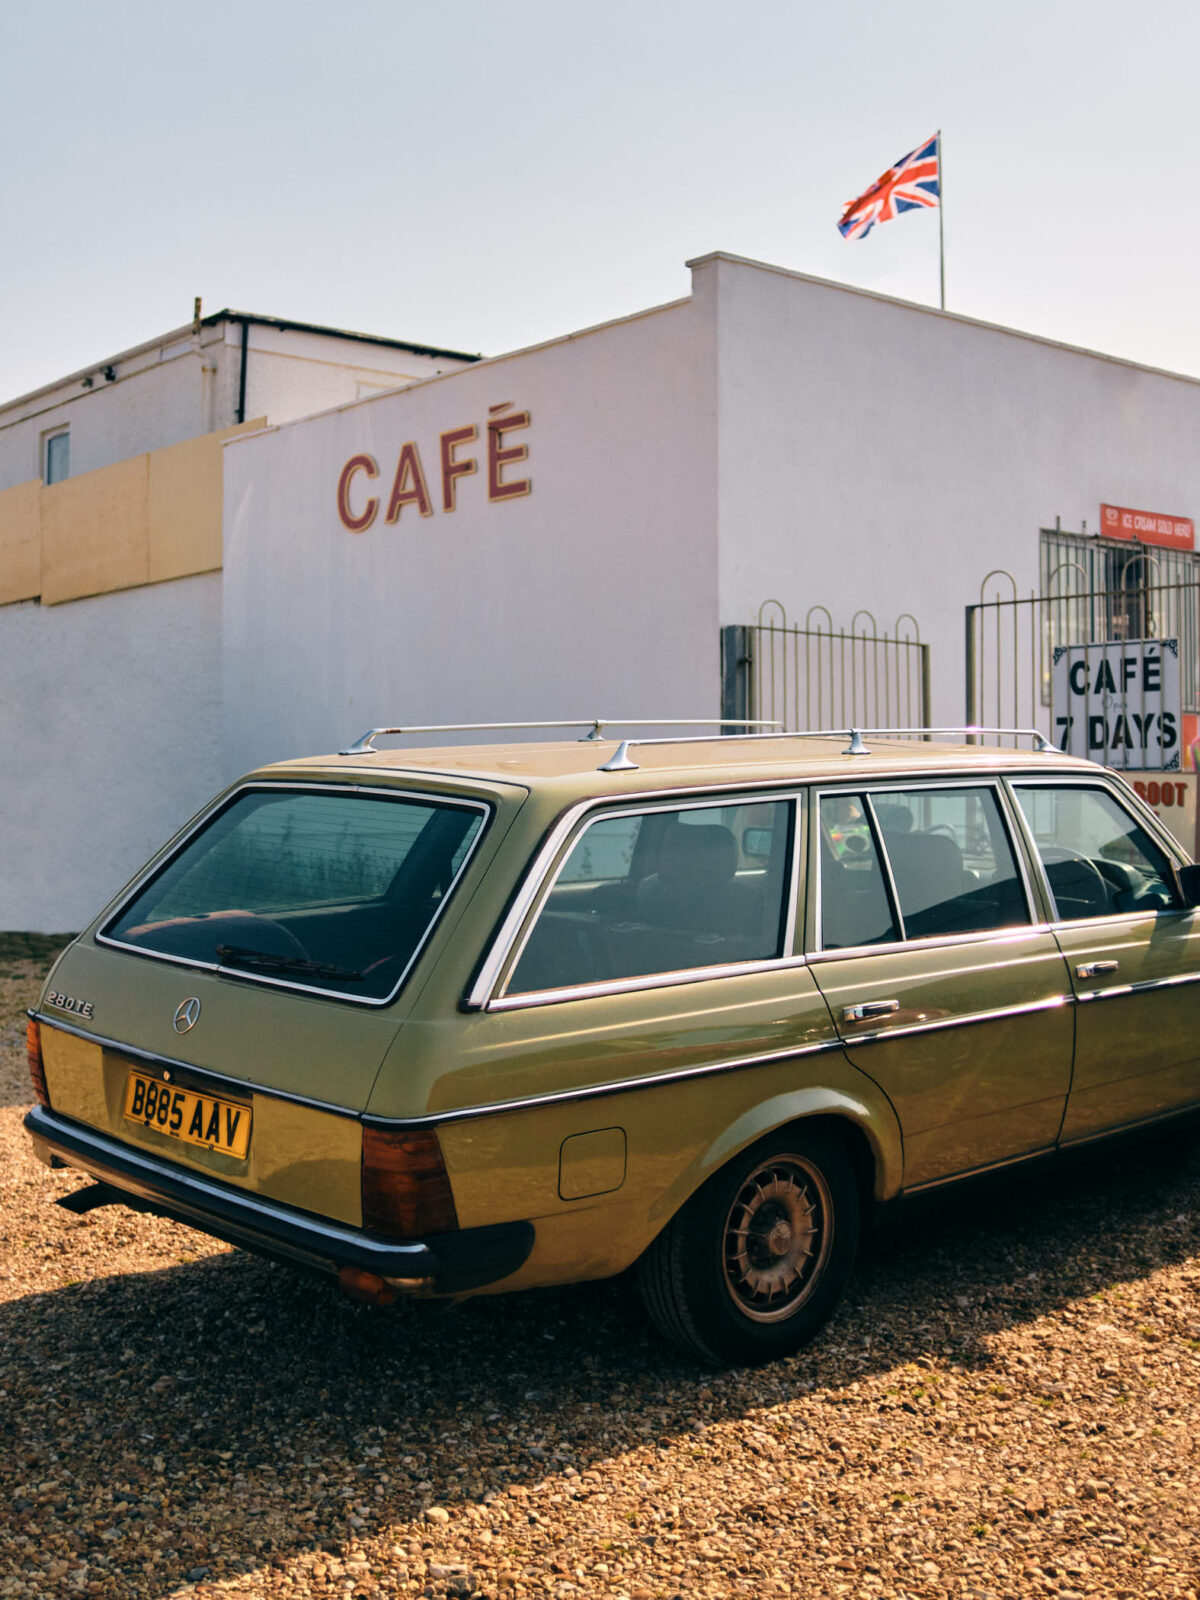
x=1095 y=969
x=870 y=1008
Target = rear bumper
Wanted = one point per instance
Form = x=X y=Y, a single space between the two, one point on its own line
x=448 y=1263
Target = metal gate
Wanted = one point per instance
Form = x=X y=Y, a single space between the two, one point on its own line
x=1011 y=638
x=819 y=676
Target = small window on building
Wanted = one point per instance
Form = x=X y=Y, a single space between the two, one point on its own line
x=56 y=456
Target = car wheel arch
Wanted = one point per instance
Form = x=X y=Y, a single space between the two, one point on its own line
x=870 y=1132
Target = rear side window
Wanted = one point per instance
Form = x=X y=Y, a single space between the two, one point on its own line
x=1099 y=861
x=951 y=860
x=947 y=853
x=662 y=891
x=330 y=891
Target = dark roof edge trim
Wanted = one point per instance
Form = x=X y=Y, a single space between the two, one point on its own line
x=286 y=325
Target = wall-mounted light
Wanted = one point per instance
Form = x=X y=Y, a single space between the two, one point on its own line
x=87 y=382
x=110 y=374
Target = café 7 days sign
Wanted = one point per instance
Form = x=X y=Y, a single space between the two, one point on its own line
x=1118 y=703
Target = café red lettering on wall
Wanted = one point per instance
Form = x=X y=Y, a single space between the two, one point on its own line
x=362 y=491
x=1148 y=527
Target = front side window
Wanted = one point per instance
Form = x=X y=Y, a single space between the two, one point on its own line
x=949 y=857
x=331 y=891
x=662 y=891
x=1099 y=861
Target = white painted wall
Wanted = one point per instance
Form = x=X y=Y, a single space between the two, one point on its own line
x=594 y=595
x=882 y=455
x=294 y=374
x=773 y=436
x=109 y=726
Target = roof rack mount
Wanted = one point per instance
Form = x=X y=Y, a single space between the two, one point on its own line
x=623 y=762
x=365 y=746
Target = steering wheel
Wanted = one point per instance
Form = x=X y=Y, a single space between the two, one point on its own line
x=1076 y=882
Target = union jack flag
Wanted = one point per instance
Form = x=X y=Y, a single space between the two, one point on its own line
x=913 y=183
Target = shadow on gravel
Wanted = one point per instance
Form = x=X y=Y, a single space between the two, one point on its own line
x=288 y=1419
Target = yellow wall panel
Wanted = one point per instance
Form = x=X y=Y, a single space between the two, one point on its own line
x=96 y=532
x=185 y=505
x=20 y=542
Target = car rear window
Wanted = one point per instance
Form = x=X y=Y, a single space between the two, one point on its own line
x=328 y=891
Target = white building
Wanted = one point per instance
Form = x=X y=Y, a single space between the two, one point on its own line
x=110 y=587
x=574 y=529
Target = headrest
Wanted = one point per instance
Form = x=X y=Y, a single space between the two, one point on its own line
x=704 y=850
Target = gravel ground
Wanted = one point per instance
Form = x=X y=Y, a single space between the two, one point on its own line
x=1007 y=1405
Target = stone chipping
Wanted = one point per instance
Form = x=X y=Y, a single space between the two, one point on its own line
x=1007 y=1405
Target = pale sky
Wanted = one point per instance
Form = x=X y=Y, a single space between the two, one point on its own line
x=486 y=174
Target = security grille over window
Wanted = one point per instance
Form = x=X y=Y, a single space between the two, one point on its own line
x=1119 y=589
x=816 y=675
x=1094 y=592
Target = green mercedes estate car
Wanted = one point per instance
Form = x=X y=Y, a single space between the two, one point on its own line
x=483 y=1017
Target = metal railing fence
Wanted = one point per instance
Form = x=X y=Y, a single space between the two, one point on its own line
x=816 y=675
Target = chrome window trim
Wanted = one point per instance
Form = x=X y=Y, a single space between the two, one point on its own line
x=171 y=852
x=1086 y=780
x=885 y=863
x=509 y=942
x=649 y=980
x=906 y=785
x=219 y=1080
x=935 y=941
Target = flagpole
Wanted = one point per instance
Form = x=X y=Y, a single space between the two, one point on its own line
x=941 y=215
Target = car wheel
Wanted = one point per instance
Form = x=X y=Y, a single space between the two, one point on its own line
x=755 y=1262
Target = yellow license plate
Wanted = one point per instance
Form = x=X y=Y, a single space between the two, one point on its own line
x=200 y=1119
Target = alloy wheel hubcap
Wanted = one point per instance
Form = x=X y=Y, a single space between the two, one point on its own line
x=777 y=1238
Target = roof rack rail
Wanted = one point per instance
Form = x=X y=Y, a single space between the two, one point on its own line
x=365 y=745
x=623 y=762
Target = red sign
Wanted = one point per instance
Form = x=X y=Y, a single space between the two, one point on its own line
x=1148 y=527
x=358 y=507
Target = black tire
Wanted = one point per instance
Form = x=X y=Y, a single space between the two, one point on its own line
x=754 y=1264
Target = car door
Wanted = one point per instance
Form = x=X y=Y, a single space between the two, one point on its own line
x=923 y=939
x=649 y=1006
x=1133 y=950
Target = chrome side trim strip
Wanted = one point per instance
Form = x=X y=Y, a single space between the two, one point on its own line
x=592 y=1091
x=651 y=980
x=1176 y=1113
x=1118 y=990
x=978 y=1172
x=219 y=1080
x=1053 y=1003
x=144 y=879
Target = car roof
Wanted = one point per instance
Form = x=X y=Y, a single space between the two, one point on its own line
x=577 y=765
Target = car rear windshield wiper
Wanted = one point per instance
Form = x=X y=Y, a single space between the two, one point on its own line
x=264 y=961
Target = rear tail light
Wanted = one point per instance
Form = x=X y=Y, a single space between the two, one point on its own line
x=405 y=1186
x=33 y=1049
